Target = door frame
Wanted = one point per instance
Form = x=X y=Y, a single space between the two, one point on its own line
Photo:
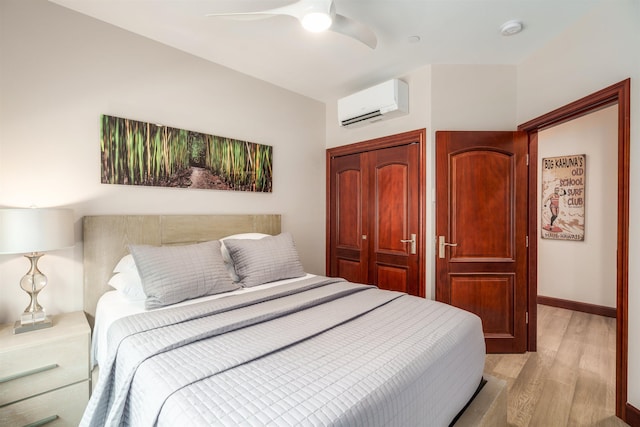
x=620 y=94
x=415 y=136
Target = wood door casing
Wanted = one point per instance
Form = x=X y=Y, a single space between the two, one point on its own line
x=374 y=200
x=481 y=194
x=618 y=93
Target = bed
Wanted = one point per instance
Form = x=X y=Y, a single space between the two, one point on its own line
x=298 y=350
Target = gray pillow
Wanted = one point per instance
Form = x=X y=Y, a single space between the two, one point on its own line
x=265 y=260
x=171 y=274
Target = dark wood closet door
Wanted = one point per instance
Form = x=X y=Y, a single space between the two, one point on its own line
x=348 y=213
x=394 y=218
x=375 y=209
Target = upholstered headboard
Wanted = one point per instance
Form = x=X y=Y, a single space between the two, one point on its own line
x=106 y=239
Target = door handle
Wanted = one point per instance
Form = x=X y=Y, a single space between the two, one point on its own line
x=441 y=245
x=413 y=243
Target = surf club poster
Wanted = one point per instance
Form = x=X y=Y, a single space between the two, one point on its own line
x=563 y=197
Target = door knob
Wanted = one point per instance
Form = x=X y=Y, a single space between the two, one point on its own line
x=442 y=244
x=413 y=243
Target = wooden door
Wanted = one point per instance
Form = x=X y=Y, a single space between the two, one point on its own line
x=481 y=228
x=349 y=249
x=394 y=218
x=375 y=210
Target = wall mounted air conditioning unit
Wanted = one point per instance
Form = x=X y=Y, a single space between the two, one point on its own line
x=380 y=102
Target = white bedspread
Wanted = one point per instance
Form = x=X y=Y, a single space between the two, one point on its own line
x=113 y=306
x=322 y=352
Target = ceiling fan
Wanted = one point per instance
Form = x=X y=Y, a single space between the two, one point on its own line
x=316 y=16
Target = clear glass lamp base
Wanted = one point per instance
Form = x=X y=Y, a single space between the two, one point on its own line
x=34 y=316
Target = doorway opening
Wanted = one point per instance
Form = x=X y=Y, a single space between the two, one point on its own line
x=577 y=264
x=617 y=94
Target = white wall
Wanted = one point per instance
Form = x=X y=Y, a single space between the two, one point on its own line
x=61 y=70
x=473 y=97
x=584 y=271
x=599 y=50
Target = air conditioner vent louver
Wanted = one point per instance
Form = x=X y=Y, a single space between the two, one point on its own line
x=380 y=102
x=361 y=118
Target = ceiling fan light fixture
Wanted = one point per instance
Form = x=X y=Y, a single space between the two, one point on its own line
x=316 y=21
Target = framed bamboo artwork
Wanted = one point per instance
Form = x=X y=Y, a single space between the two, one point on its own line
x=563 y=197
x=141 y=153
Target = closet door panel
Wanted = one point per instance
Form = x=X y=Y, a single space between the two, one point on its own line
x=391 y=277
x=349 y=254
x=394 y=217
x=391 y=208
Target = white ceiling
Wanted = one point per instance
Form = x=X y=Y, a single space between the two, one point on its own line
x=326 y=66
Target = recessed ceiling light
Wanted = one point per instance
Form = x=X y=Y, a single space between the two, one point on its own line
x=510 y=28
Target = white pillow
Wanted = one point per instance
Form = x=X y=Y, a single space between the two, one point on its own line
x=126 y=263
x=228 y=261
x=129 y=284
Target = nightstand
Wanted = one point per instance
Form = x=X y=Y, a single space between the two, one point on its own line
x=44 y=374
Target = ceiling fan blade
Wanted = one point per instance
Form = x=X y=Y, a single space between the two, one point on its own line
x=341 y=24
x=354 y=29
x=296 y=10
x=242 y=16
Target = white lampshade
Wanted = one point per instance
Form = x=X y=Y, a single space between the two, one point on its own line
x=35 y=230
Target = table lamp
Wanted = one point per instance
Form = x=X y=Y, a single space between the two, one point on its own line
x=32 y=232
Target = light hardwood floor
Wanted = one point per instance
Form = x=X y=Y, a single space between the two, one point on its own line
x=570 y=380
